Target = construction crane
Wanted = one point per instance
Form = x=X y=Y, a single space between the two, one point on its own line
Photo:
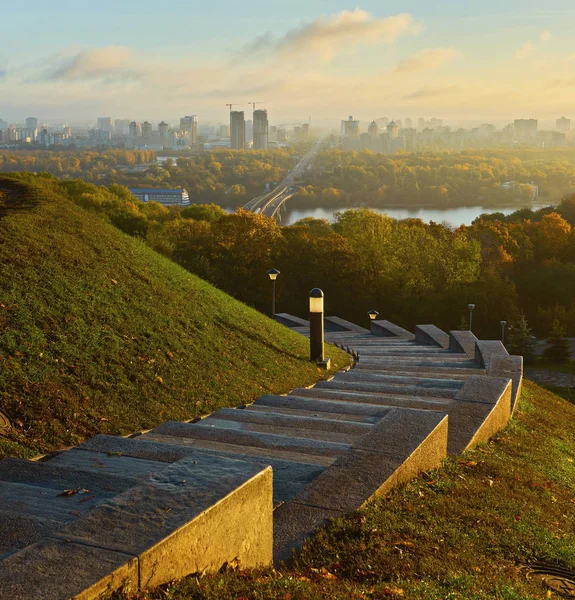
x=255 y=103
x=232 y=105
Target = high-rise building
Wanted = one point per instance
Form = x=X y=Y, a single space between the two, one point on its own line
x=350 y=128
x=135 y=129
x=393 y=130
x=163 y=128
x=122 y=127
x=146 y=129
x=237 y=130
x=408 y=123
x=373 y=129
x=305 y=131
x=105 y=124
x=224 y=131
x=525 y=129
x=563 y=124
x=261 y=129
x=189 y=125
x=31 y=123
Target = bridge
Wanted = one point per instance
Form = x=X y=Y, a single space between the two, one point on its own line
x=271 y=203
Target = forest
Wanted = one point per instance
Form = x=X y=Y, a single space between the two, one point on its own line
x=437 y=179
x=225 y=177
x=410 y=271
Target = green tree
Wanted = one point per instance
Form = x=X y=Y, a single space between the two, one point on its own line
x=558 y=346
x=522 y=341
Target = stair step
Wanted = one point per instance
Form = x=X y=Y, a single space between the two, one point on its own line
x=427 y=361
x=345 y=325
x=50 y=475
x=385 y=388
x=297 y=422
x=400 y=380
x=252 y=438
x=47 y=503
x=213 y=423
x=260 y=408
x=111 y=464
x=386 y=400
x=405 y=369
x=19 y=530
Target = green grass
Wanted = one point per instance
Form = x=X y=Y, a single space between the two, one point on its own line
x=461 y=532
x=99 y=334
x=545 y=365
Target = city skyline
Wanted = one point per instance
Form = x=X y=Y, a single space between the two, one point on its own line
x=476 y=62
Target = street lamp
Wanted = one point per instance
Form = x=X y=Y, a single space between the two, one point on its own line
x=373 y=314
x=503 y=323
x=471 y=307
x=273 y=273
x=316 y=330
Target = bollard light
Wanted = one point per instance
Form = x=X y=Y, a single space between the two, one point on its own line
x=316 y=328
x=273 y=274
x=503 y=324
x=373 y=314
x=471 y=307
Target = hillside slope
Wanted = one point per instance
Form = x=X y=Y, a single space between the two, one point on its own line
x=99 y=334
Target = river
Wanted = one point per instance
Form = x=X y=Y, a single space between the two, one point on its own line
x=454 y=216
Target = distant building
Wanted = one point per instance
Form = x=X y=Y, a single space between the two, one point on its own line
x=135 y=129
x=373 y=129
x=105 y=124
x=237 y=130
x=563 y=125
x=122 y=127
x=261 y=129
x=189 y=126
x=146 y=129
x=224 y=131
x=31 y=123
x=350 y=128
x=249 y=132
x=525 y=129
x=163 y=196
x=305 y=131
x=393 y=130
x=408 y=123
x=163 y=128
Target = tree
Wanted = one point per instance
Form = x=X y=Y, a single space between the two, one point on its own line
x=522 y=342
x=558 y=346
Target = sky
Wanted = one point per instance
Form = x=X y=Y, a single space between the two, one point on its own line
x=471 y=61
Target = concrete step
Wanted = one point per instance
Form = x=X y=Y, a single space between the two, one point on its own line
x=253 y=439
x=335 y=436
x=297 y=422
x=382 y=399
x=386 y=329
x=310 y=413
x=400 y=380
x=424 y=361
x=337 y=322
x=405 y=369
x=18 y=531
x=386 y=388
x=383 y=351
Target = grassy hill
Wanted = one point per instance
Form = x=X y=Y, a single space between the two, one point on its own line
x=464 y=532
x=99 y=334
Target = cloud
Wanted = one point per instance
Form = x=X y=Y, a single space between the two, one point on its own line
x=545 y=36
x=527 y=50
x=111 y=62
x=427 y=60
x=326 y=34
x=431 y=92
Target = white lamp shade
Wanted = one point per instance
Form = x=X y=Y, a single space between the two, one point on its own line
x=316 y=305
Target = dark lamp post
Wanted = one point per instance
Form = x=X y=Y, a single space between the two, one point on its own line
x=471 y=307
x=503 y=324
x=273 y=273
x=316 y=328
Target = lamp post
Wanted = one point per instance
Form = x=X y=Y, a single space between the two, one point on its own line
x=503 y=323
x=316 y=330
x=373 y=314
x=273 y=273
x=471 y=307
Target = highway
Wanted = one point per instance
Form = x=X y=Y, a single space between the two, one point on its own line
x=269 y=204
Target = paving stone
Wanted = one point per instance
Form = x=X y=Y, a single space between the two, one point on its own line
x=307 y=413
x=294 y=523
x=483 y=389
x=58 y=570
x=18 y=531
x=253 y=438
x=406 y=369
x=192 y=517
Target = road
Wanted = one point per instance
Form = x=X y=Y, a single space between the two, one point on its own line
x=270 y=203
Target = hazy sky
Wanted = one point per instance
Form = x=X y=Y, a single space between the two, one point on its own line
x=143 y=59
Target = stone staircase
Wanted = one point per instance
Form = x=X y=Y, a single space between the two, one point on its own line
x=190 y=497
